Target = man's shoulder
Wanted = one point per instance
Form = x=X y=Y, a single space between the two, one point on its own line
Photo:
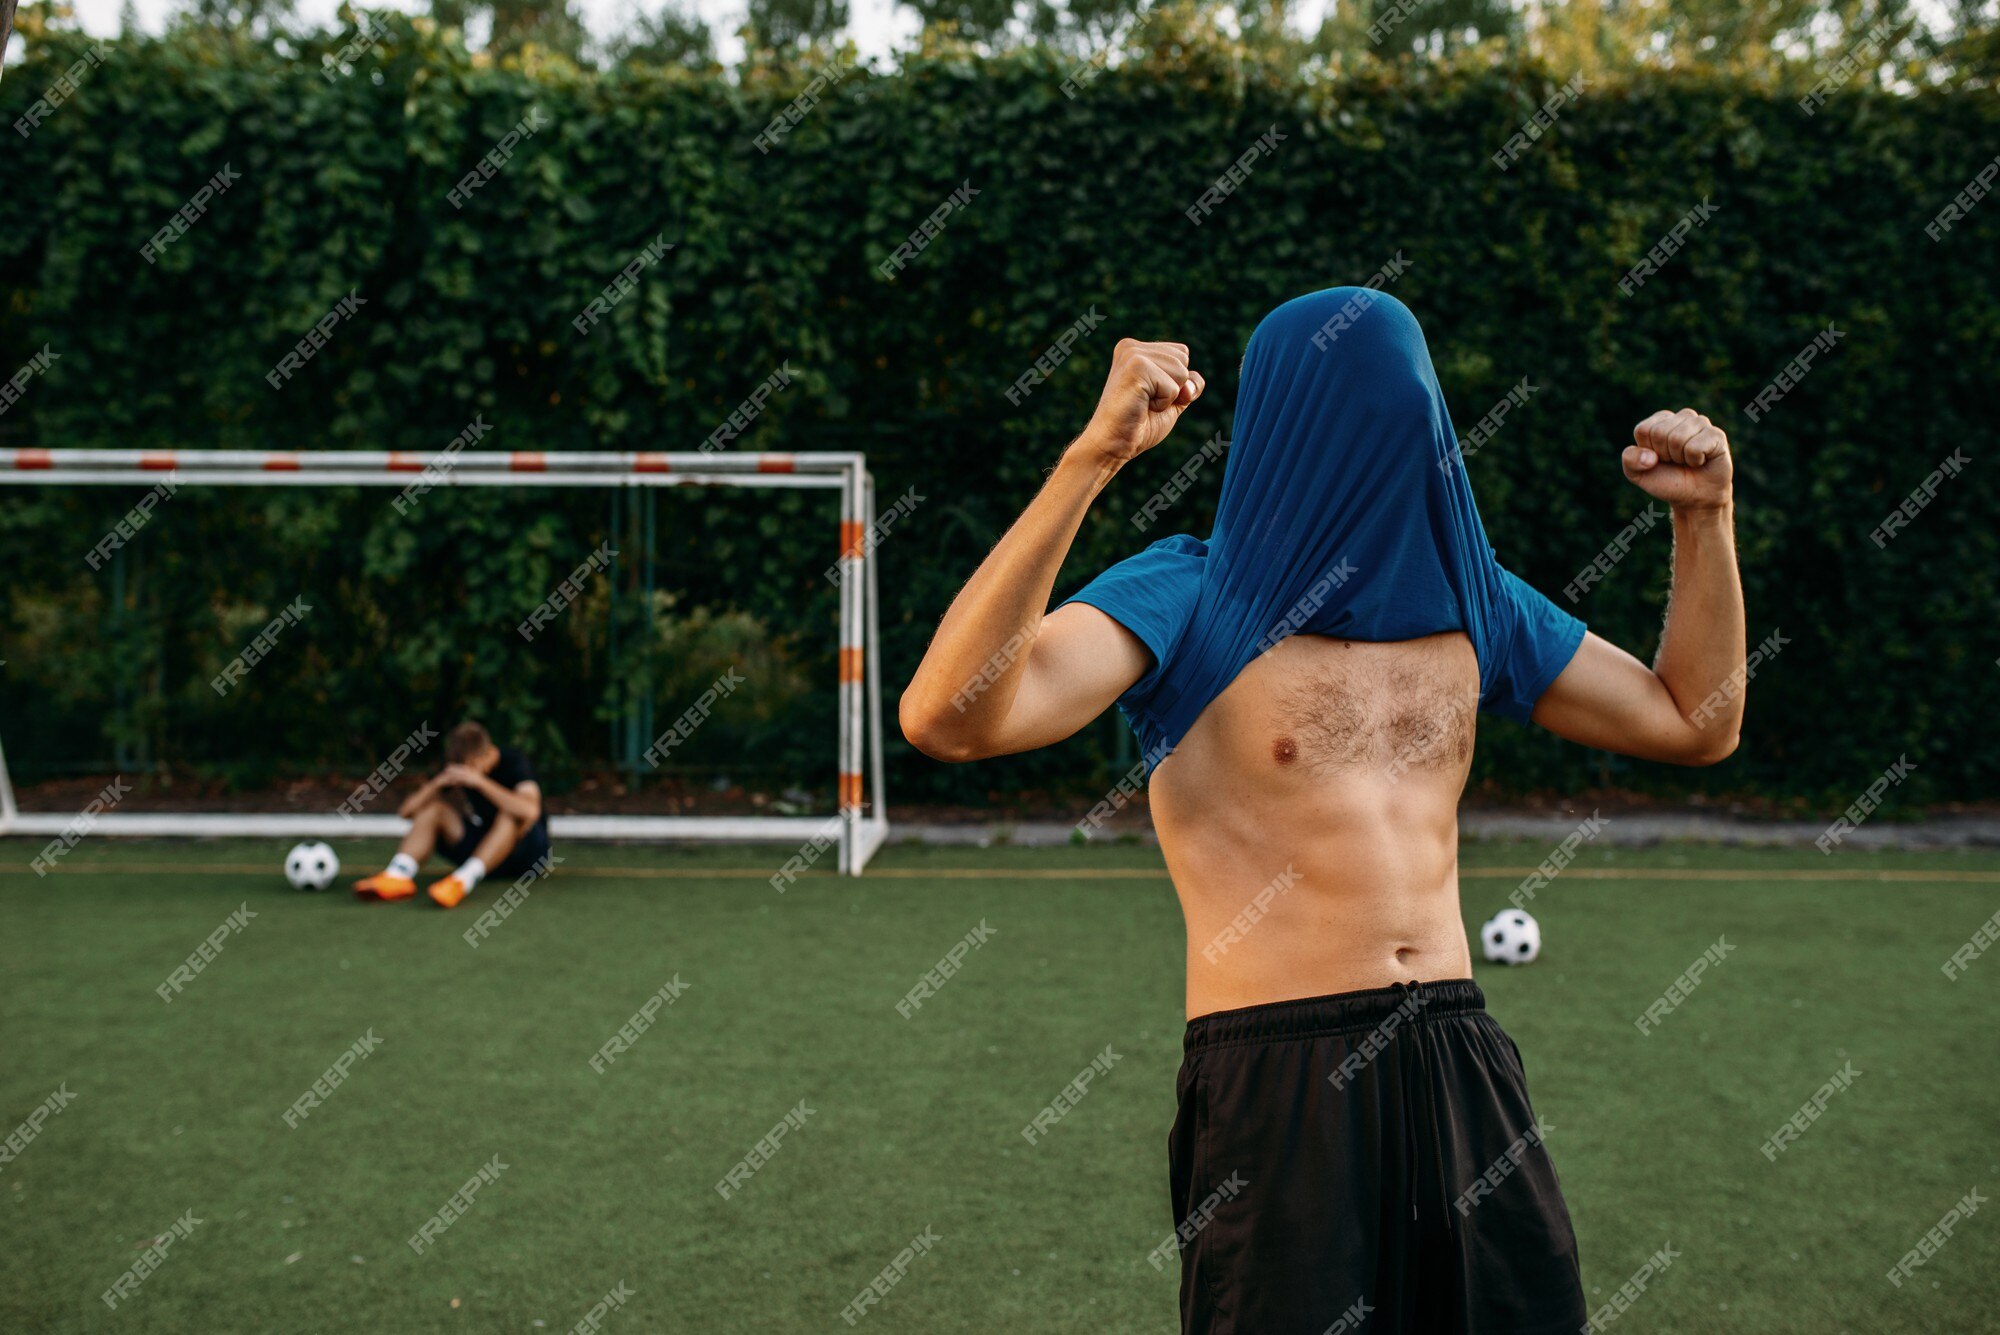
x=513 y=768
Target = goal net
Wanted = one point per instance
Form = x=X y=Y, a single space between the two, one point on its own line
x=199 y=670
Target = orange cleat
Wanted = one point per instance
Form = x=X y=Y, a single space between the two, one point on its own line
x=449 y=892
x=384 y=886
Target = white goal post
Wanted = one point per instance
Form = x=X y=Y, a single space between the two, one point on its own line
x=861 y=823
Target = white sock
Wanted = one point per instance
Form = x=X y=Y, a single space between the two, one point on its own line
x=471 y=873
x=403 y=865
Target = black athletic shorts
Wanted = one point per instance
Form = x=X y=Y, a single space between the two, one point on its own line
x=1366 y=1162
x=534 y=846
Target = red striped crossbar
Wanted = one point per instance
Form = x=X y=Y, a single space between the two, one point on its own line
x=572 y=464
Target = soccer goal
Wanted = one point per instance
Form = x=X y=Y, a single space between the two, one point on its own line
x=860 y=824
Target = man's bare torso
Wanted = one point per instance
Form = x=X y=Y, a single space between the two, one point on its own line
x=1330 y=769
x=1309 y=819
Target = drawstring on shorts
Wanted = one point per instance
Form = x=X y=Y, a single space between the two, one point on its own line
x=1417 y=997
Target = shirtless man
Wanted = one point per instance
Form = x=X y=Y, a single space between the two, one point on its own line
x=1353 y=1126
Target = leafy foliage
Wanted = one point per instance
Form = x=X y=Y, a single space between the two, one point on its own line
x=1818 y=219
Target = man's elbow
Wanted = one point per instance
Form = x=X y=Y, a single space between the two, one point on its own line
x=936 y=734
x=1710 y=746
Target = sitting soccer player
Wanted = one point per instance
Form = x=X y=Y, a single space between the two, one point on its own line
x=483 y=811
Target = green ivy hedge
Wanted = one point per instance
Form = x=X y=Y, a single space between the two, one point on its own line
x=341 y=186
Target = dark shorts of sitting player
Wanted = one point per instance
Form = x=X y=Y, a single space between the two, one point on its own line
x=530 y=849
x=1366 y=1162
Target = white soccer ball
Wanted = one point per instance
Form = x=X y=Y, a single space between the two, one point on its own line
x=311 y=866
x=1511 y=937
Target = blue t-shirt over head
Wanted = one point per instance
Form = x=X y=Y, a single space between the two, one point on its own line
x=1345 y=511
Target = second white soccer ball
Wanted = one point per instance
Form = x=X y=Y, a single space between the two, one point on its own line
x=311 y=866
x=1511 y=937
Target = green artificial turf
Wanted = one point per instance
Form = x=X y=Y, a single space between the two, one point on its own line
x=916 y=1122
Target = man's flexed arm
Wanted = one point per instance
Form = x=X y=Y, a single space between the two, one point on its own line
x=1000 y=675
x=1687 y=709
